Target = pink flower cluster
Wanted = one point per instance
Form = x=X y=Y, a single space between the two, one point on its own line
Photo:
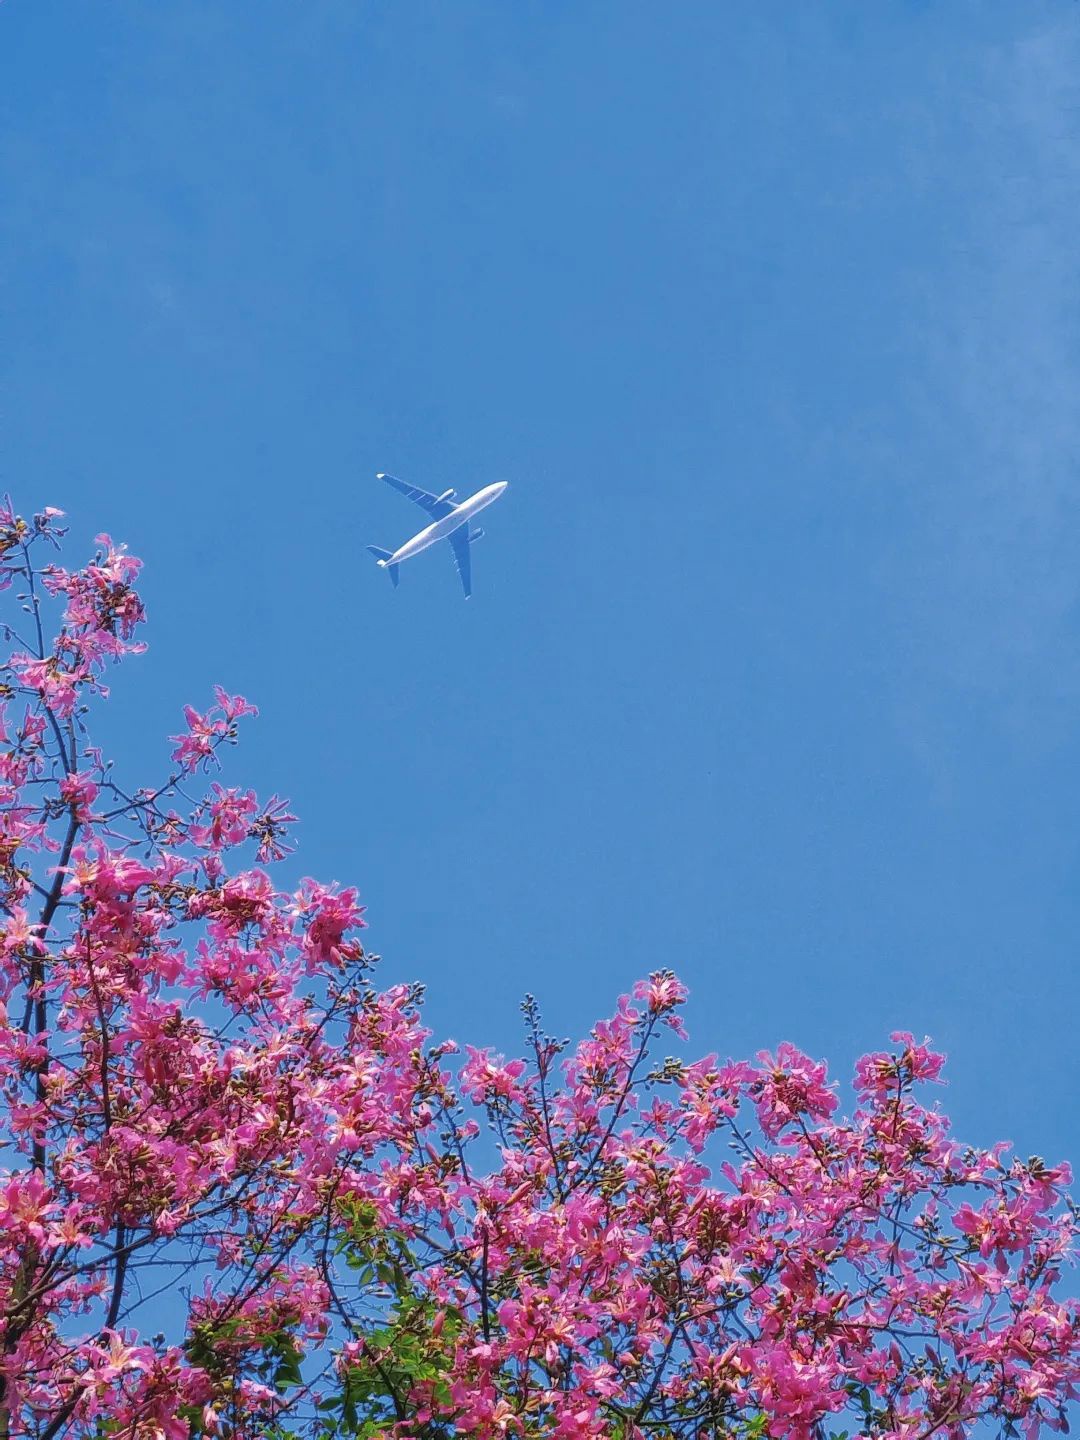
x=203 y=1094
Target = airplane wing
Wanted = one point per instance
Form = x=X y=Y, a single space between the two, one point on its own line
x=459 y=543
x=436 y=505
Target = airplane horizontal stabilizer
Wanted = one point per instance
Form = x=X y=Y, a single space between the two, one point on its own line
x=382 y=556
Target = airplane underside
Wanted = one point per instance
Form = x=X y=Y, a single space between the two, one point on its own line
x=442 y=509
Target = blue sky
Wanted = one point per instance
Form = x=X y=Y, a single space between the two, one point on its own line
x=769 y=316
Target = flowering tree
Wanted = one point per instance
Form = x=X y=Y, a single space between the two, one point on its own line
x=242 y=1193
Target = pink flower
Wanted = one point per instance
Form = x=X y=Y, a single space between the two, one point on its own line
x=233 y=706
x=78 y=792
x=119 y=1358
x=205 y=732
x=486 y=1076
x=231 y=814
x=663 y=993
x=327 y=914
x=25 y=1204
x=881 y=1073
x=788 y=1087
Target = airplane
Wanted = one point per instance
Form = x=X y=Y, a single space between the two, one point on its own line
x=450 y=521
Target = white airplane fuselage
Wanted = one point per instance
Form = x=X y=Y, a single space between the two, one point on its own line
x=440 y=529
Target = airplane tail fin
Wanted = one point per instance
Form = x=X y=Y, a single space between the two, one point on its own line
x=382 y=556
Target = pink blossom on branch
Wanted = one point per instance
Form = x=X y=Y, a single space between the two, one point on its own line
x=203 y=1092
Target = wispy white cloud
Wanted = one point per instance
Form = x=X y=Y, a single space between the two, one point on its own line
x=992 y=574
